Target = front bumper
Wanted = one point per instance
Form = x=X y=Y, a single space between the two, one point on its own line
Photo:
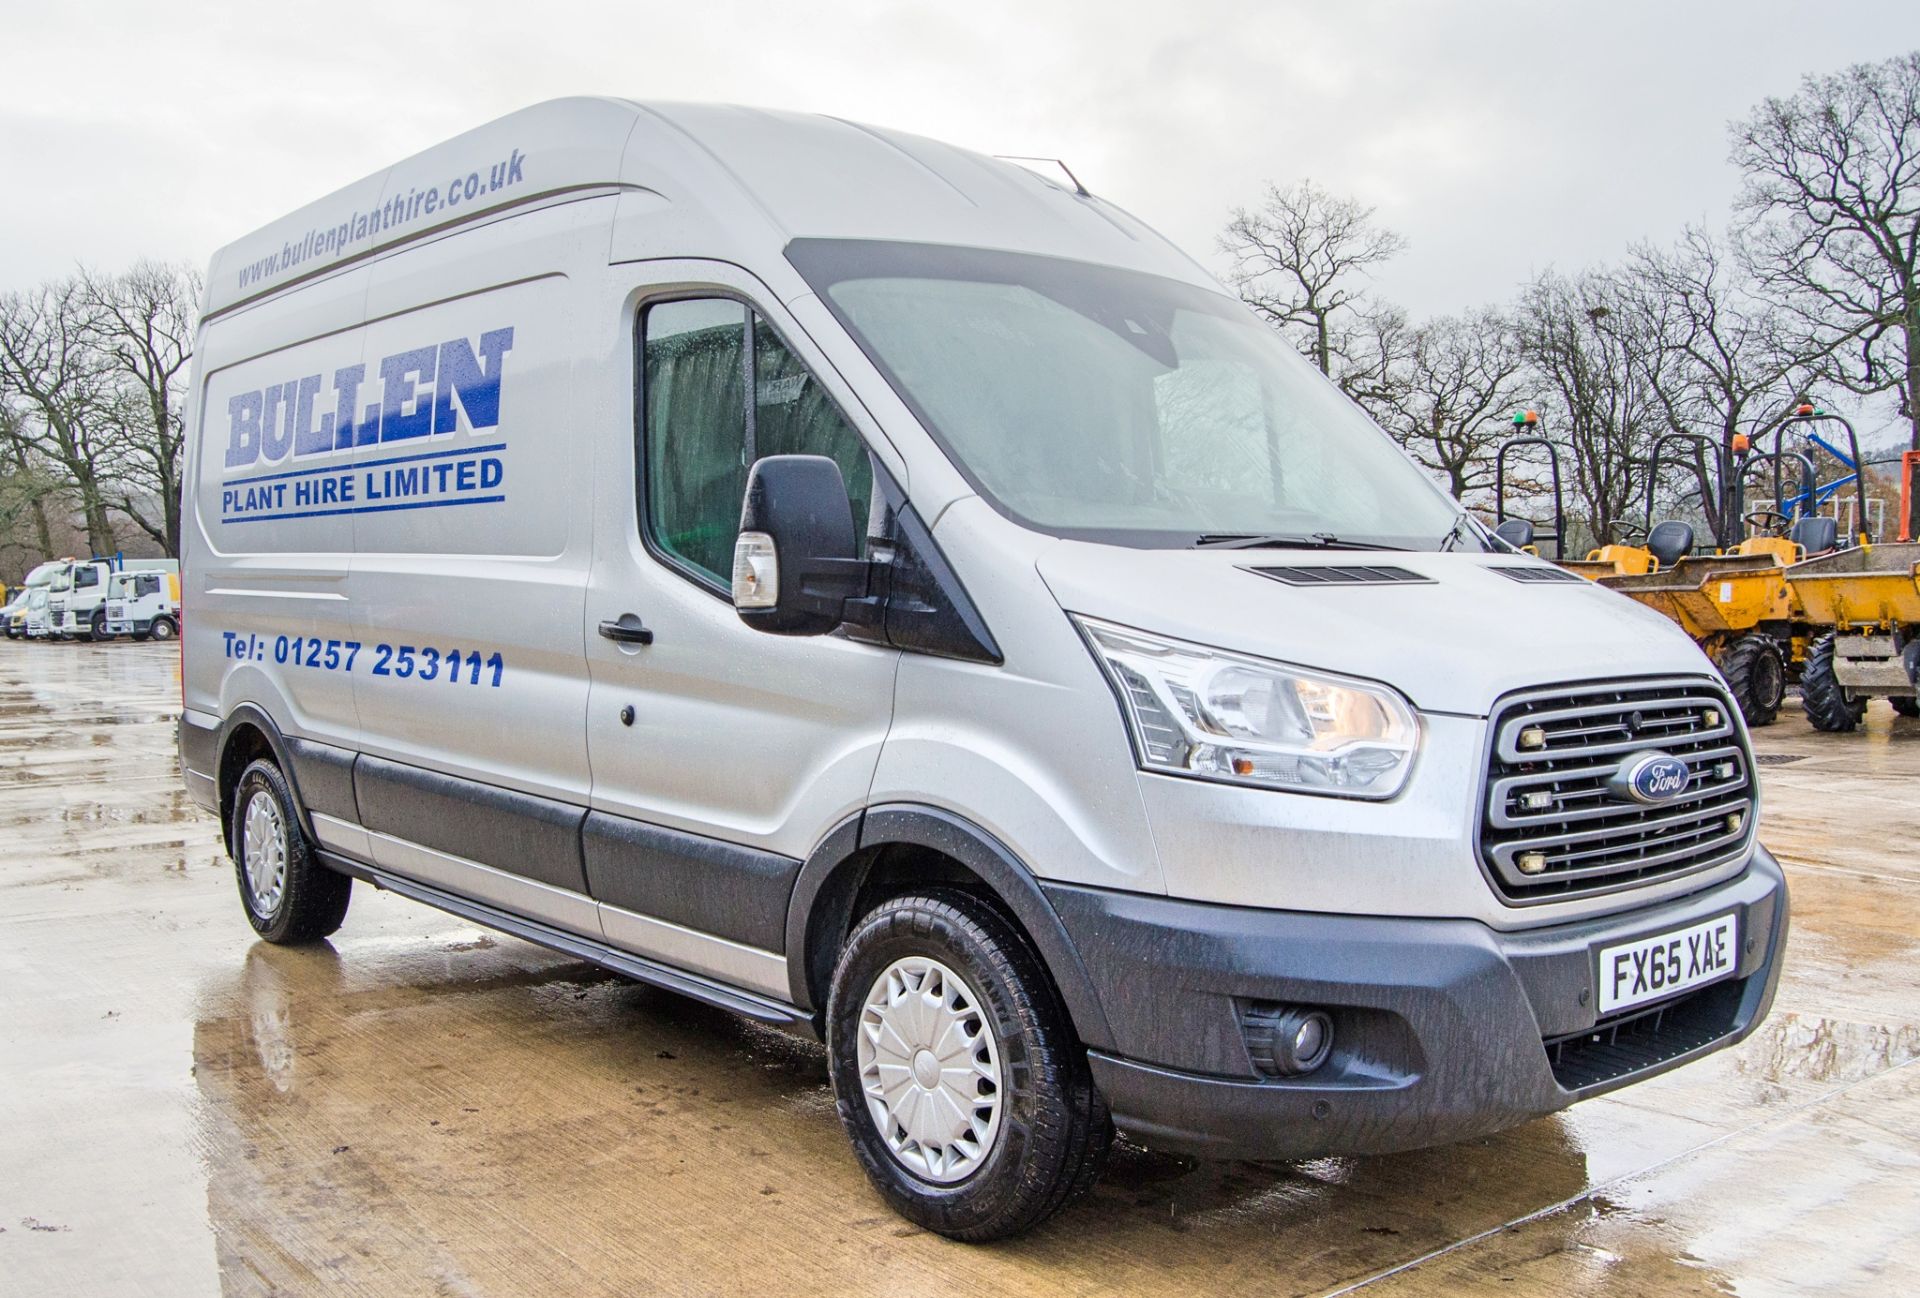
x=1443 y=1029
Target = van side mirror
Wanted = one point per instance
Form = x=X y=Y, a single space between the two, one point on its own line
x=796 y=564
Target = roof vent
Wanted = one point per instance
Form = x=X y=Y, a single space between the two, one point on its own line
x=1344 y=575
x=1536 y=572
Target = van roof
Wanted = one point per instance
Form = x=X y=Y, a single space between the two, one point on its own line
x=696 y=180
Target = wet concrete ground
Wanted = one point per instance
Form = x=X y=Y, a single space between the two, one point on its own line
x=424 y=1107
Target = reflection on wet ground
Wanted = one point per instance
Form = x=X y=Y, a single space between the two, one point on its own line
x=425 y=1107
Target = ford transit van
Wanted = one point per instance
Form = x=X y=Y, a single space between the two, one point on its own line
x=884 y=592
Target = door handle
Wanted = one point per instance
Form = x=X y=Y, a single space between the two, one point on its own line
x=627 y=629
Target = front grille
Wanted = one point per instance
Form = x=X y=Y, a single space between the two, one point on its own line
x=1637 y=1040
x=1549 y=803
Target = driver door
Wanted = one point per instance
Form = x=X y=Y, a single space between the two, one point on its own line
x=720 y=755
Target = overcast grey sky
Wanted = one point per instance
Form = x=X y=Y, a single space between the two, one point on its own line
x=1501 y=138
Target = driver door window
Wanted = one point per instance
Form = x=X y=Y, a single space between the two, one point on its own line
x=701 y=357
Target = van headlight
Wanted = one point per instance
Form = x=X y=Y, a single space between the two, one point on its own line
x=1222 y=716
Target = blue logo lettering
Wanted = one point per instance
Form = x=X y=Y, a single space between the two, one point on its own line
x=423 y=392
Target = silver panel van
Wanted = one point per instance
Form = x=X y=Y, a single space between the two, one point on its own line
x=885 y=592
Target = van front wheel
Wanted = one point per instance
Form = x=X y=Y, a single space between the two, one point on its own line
x=289 y=896
x=956 y=1073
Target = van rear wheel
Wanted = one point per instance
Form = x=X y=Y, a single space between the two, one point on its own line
x=289 y=896
x=956 y=1072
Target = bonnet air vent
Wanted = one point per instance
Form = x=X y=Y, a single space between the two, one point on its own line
x=1343 y=575
x=1529 y=573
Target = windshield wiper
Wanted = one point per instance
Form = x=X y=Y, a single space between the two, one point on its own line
x=1281 y=541
x=1452 y=538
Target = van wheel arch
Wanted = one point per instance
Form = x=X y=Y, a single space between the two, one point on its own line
x=891 y=850
x=248 y=734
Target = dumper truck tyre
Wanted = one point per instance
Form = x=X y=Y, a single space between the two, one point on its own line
x=162 y=628
x=1826 y=701
x=1757 y=677
x=289 y=896
x=97 y=626
x=956 y=1072
x=1906 y=707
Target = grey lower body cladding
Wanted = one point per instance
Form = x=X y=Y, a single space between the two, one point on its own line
x=1444 y=1029
x=731 y=892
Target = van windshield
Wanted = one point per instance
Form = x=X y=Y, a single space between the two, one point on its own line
x=1107 y=404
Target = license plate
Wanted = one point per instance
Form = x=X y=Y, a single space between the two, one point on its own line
x=1654 y=968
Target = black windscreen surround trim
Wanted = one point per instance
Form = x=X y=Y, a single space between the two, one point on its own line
x=1343 y=574
x=533 y=837
x=732 y=892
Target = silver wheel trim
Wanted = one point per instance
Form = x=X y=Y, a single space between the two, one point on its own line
x=930 y=1069
x=263 y=852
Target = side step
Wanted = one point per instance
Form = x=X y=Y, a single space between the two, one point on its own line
x=762 y=1009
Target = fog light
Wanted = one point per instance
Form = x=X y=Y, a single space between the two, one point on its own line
x=1287 y=1041
x=1531 y=862
x=1734 y=821
x=1710 y=717
x=1536 y=800
x=1533 y=737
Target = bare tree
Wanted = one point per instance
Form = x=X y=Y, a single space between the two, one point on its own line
x=23 y=487
x=1443 y=386
x=1301 y=260
x=143 y=323
x=1724 y=360
x=1832 y=201
x=61 y=392
x=1588 y=356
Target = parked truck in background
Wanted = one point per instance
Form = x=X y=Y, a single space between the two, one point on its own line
x=143 y=604
x=79 y=596
x=13 y=617
x=35 y=585
x=35 y=625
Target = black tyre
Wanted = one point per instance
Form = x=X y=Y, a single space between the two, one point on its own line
x=956 y=1072
x=163 y=628
x=289 y=896
x=1906 y=707
x=1756 y=675
x=1828 y=705
x=97 y=626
